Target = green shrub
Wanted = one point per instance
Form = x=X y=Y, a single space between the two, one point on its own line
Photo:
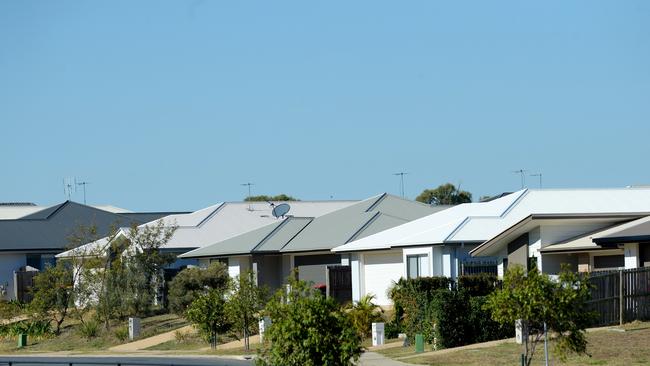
x=308 y=329
x=392 y=329
x=33 y=328
x=449 y=312
x=479 y=284
x=122 y=333
x=484 y=328
x=12 y=308
x=89 y=329
x=411 y=298
x=192 y=282
x=208 y=313
x=363 y=313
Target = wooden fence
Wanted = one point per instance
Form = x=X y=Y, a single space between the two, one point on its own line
x=616 y=304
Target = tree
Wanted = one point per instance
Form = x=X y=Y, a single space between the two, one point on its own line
x=208 y=313
x=537 y=300
x=308 y=329
x=244 y=305
x=445 y=194
x=144 y=262
x=363 y=313
x=265 y=198
x=192 y=282
x=120 y=274
x=53 y=293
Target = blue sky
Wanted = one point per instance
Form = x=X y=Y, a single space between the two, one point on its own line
x=171 y=105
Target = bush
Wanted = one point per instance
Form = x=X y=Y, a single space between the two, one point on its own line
x=181 y=336
x=12 y=308
x=122 y=333
x=391 y=329
x=479 y=284
x=449 y=312
x=192 y=282
x=33 y=328
x=411 y=298
x=89 y=329
x=208 y=314
x=484 y=328
x=362 y=314
x=308 y=329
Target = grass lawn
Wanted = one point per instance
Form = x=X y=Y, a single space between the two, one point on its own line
x=70 y=338
x=607 y=347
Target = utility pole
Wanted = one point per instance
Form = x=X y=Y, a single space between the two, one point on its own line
x=401 y=175
x=521 y=172
x=540 y=178
x=249 y=184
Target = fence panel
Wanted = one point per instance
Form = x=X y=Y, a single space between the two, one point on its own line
x=606 y=296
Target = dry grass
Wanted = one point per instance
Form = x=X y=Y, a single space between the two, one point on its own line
x=606 y=347
x=70 y=338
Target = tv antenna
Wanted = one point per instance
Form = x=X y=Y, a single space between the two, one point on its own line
x=540 y=178
x=521 y=172
x=83 y=184
x=401 y=185
x=68 y=187
x=249 y=184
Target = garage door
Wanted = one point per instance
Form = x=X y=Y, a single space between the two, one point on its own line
x=380 y=270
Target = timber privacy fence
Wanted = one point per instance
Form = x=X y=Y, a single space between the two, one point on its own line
x=620 y=296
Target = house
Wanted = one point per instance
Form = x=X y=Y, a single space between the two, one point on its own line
x=490 y=235
x=588 y=229
x=305 y=242
x=32 y=238
x=220 y=222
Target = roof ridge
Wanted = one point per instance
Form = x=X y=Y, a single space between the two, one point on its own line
x=210 y=215
x=268 y=236
x=363 y=227
x=377 y=201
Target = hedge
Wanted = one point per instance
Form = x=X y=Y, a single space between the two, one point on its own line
x=447 y=313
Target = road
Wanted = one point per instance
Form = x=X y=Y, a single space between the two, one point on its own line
x=123 y=361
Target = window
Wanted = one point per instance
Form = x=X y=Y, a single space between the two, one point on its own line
x=220 y=260
x=417 y=265
x=39 y=261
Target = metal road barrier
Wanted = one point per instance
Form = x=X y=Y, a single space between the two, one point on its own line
x=81 y=363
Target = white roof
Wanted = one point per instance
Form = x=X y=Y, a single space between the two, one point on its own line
x=111 y=208
x=227 y=219
x=478 y=222
x=12 y=212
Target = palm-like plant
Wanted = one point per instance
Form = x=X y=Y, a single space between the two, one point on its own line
x=363 y=313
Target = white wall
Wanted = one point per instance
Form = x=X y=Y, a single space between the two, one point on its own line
x=631 y=251
x=8 y=264
x=380 y=270
x=238 y=265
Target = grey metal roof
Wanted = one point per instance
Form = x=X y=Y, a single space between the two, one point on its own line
x=300 y=234
x=357 y=221
x=239 y=244
x=49 y=229
x=283 y=234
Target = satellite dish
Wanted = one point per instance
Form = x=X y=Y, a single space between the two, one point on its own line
x=281 y=210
